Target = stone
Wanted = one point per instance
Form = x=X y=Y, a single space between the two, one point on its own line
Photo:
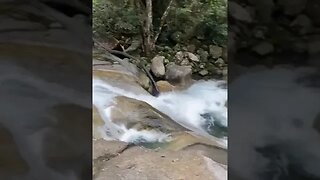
x=209 y=146
x=224 y=55
x=263 y=48
x=178 y=74
x=204 y=72
x=140 y=163
x=215 y=51
x=238 y=12
x=166 y=61
x=118 y=76
x=313 y=11
x=165 y=86
x=179 y=56
x=105 y=149
x=300 y=47
x=219 y=62
x=263 y=9
x=314 y=47
x=184 y=62
x=303 y=23
x=225 y=72
x=139 y=115
x=203 y=55
x=96 y=62
x=292 y=7
x=258 y=33
x=191 y=48
x=193 y=57
x=157 y=66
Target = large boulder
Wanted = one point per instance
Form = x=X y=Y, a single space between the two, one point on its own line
x=178 y=74
x=165 y=86
x=104 y=150
x=239 y=12
x=139 y=115
x=157 y=66
x=119 y=77
x=215 y=51
x=209 y=146
x=137 y=163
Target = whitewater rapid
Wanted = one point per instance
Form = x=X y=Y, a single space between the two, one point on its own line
x=185 y=107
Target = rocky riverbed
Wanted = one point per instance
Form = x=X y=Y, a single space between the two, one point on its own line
x=172 y=136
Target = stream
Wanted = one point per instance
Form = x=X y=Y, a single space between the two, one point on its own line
x=200 y=108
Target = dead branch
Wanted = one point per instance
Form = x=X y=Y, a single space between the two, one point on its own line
x=110 y=56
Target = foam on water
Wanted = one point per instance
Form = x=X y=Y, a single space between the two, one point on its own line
x=185 y=107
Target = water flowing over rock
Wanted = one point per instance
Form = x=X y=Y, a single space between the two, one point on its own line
x=152 y=137
x=139 y=115
x=98 y=123
x=120 y=77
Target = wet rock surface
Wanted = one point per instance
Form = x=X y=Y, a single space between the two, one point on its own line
x=140 y=115
x=135 y=162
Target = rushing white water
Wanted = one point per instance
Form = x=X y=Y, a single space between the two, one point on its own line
x=185 y=107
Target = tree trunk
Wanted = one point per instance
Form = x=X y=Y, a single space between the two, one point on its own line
x=148 y=30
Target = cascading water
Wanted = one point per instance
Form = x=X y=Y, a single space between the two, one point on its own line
x=200 y=108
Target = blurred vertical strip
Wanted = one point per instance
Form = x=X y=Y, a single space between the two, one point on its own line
x=45 y=90
x=274 y=96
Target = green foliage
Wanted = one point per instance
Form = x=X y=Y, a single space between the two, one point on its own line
x=202 y=19
x=114 y=18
